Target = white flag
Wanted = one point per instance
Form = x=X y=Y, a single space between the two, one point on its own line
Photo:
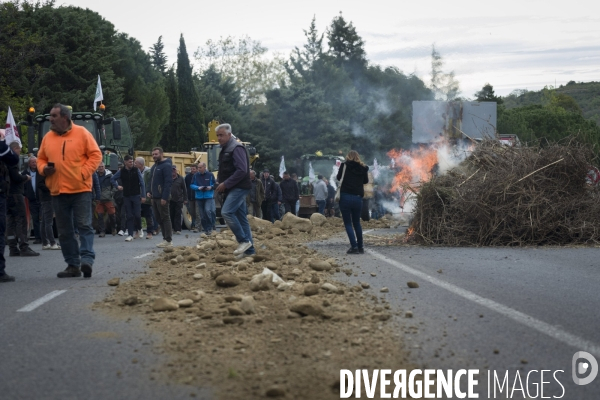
x=99 y=95
x=281 y=168
x=311 y=173
x=11 y=132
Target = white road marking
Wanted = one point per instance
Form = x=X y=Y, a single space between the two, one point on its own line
x=35 y=304
x=527 y=320
x=370 y=230
x=143 y=255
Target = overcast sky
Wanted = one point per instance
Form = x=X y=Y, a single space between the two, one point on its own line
x=512 y=44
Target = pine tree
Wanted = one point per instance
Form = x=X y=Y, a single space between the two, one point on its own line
x=345 y=45
x=169 y=136
x=158 y=57
x=487 y=94
x=190 y=127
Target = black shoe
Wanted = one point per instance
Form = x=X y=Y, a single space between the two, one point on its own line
x=6 y=278
x=37 y=241
x=14 y=253
x=70 y=272
x=29 y=253
x=361 y=250
x=87 y=270
x=352 y=250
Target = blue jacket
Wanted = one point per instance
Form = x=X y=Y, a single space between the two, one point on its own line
x=206 y=179
x=161 y=179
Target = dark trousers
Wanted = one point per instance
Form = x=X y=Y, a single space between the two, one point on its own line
x=351 y=207
x=148 y=215
x=73 y=212
x=2 y=232
x=191 y=206
x=266 y=214
x=321 y=205
x=46 y=225
x=273 y=211
x=290 y=206
x=121 y=217
x=161 y=213
x=35 y=211
x=16 y=229
x=175 y=213
x=133 y=211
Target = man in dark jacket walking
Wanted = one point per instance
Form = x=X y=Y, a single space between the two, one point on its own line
x=289 y=193
x=32 y=197
x=17 y=231
x=133 y=193
x=256 y=196
x=191 y=204
x=161 y=179
x=270 y=192
x=105 y=205
x=7 y=159
x=178 y=199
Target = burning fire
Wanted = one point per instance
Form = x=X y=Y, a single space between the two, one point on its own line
x=412 y=166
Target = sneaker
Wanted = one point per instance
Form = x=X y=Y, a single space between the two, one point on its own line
x=136 y=235
x=242 y=247
x=361 y=250
x=55 y=247
x=141 y=236
x=47 y=247
x=29 y=253
x=149 y=235
x=87 y=270
x=194 y=230
x=352 y=250
x=6 y=278
x=114 y=232
x=164 y=244
x=121 y=233
x=102 y=234
x=129 y=238
x=70 y=272
x=244 y=255
x=14 y=253
x=177 y=232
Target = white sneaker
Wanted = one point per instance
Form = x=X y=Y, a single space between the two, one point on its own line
x=129 y=238
x=177 y=232
x=164 y=244
x=55 y=247
x=121 y=233
x=47 y=247
x=136 y=235
x=141 y=234
x=242 y=248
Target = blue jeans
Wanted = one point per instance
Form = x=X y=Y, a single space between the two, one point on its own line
x=73 y=211
x=351 y=207
x=321 y=204
x=133 y=211
x=234 y=213
x=208 y=214
x=273 y=211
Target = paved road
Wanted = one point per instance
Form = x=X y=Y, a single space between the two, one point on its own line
x=535 y=307
x=64 y=350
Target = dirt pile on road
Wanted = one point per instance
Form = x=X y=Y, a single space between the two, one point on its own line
x=512 y=196
x=276 y=324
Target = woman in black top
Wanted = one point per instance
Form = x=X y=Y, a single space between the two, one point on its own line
x=351 y=194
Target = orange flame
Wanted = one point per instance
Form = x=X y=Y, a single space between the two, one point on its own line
x=413 y=166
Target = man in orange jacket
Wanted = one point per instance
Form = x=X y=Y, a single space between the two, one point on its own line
x=68 y=157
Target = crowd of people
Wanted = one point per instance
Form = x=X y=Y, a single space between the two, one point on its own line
x=72 y=188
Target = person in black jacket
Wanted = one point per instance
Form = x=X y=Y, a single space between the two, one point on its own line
x=32 y=197
x=161 y=179
x=289 y=193
x=178 y=199
x=17 y=230
x=191 y=198
x=7 y=159
x=132 y=185
x=352 y=191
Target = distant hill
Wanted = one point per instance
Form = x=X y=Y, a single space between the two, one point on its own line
x=586 y=94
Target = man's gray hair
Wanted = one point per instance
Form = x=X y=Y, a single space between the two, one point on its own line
x=227 y=128
x=140 y=160
x=15 y=145
x=202 y=164
x=64 y=110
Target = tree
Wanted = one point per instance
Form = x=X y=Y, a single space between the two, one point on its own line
x=302 y=62
x=190 y=117
x=168 y=139
x=244 y=61
x=345 y=46
x=487 y=94
x=158 y=57
x=444 y=85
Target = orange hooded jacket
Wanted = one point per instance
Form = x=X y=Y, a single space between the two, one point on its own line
x=76 y=157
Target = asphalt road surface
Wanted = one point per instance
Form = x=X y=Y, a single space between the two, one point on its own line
x=58 y=348
x=494 y=309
